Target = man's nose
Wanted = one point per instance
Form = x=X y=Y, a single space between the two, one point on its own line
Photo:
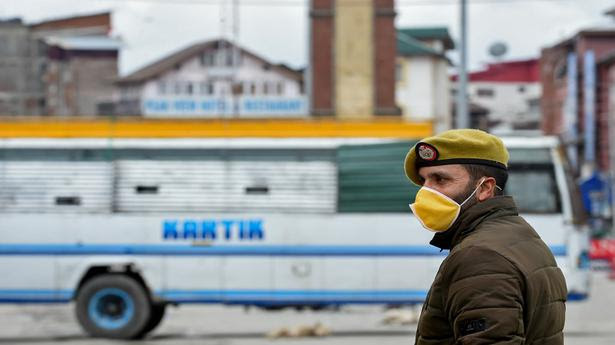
x=428 y=184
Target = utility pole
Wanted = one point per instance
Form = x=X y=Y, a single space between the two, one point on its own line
x=236 y=59
x=229 y=34
x=462 y=80
x=611 y=124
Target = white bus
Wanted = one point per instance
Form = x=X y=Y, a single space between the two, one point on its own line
x=124 y=227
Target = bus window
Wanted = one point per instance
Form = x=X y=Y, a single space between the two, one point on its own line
x=534 y=190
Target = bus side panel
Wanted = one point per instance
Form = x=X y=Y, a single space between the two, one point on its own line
x=72 y=269
x=29 y=279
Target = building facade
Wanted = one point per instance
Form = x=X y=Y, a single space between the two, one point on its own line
x=21 y=68
x=212 y=79
x=510 y=92
x=422 y=89
x=352 y=58
x=574 y=75
x=57 y=67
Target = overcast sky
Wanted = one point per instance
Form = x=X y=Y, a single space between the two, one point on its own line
x=277 y=29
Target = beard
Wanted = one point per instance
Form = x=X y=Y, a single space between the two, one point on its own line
x=465 y=194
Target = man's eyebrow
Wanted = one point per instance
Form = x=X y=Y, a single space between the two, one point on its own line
x=437 y=174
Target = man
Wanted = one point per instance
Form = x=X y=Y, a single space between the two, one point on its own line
x=500 y=283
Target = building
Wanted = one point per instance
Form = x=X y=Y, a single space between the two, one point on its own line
x=57 y=67
x=422 y=89
x=606 y=122
x=574 y=76
x=21 y=69
x=510 y=92
x=605 y=105
x=212 y=79
x=352 y=58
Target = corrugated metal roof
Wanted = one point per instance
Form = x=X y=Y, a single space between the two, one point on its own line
x=429 y=33
x=406 y=45
x=98 y=43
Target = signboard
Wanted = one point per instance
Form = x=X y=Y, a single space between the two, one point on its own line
x=243 y=106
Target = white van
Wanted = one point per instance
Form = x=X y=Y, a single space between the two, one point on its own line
x=125 y=227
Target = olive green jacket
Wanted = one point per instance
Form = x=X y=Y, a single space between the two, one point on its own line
x=499 y=284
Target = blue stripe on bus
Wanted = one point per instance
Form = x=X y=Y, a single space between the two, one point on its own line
x=233 y=250
x=35 y=296
x=292 y=296
x=251 y=297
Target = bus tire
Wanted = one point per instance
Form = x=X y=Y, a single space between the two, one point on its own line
x=156 y=316
x=113 y=306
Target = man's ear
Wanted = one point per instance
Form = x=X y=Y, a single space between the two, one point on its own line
x=487 y=189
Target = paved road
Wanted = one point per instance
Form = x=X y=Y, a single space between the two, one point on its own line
x=591 y=322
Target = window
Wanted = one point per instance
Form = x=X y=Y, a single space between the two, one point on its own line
x=533 y=102
x=68 y=201
x=531 y=181
x=237 y=88
x=207 y=59
x=162 y=88
x=529 y=156
x=253 y=88
x=178 y=88
x=265 y=88
x=534 y=189
x=485 y=92
x=257 y=190
x=229 y=57
x=146 y=189
x=189 y=88
x=280 y=88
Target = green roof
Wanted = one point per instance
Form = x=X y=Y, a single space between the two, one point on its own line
x=430 y=33
x=406 y=45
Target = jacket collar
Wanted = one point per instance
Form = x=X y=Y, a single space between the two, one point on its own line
x=471 y=217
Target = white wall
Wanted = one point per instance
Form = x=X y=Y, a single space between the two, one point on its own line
x=508 y=103
x=422 y=92
x=266 y=91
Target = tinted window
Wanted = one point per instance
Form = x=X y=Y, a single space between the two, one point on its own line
x=531 y=181
x=534 y=190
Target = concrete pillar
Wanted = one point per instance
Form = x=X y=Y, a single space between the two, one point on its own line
x=354 y=53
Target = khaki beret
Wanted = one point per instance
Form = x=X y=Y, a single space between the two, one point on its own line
x=457 y=146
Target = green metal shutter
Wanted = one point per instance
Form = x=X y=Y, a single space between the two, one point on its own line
x=371 y=178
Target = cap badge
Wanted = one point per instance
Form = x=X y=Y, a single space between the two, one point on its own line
x=427 y=152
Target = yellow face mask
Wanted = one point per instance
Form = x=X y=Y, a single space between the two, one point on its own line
x=436 y=211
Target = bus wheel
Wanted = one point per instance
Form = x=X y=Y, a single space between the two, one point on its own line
x=157 y=314
x=113 y=306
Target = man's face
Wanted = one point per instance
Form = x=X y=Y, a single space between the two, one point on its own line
x=451 y=180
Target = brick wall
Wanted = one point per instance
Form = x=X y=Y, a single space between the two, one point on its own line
x=321 y=51
x=384 y=60
x=604 y=109
x=553 y=81
x=323 y=95
x=554 y=87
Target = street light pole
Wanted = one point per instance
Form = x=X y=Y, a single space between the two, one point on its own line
x=462 y=101
x=611 y=131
